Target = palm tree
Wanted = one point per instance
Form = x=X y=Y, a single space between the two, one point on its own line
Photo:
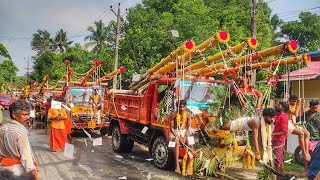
x=98 y=37
x=41 y=41
x=60 y=42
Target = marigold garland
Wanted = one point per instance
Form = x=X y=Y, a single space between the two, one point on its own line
x=252 y=42
x=293 y=46
x=223 y=37
x=306 y=58
x=189 y=46
x=184 y=119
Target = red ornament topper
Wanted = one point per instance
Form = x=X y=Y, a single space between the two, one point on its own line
x=98 y=62
x=67 y=62
x=122 y=69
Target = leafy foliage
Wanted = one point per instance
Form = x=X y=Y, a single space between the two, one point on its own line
x=8 y=71
x=148 y=29
x=60 y=42
x=41 y=41
x=52 y=64
x=305 y=31
x=98 y=37
x=4 y=52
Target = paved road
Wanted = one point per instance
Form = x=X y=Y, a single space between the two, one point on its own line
x=100 y=162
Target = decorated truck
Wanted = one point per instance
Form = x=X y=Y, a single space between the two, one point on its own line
x=142 y=113
x=82 y=113
x=85 y=93
x=146 y=118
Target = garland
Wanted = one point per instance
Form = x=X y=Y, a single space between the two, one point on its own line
x=182 y=122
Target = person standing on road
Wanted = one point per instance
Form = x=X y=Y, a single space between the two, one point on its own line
x=279 y=135
x=15 y=149
x=58 y=137
x=180 y=124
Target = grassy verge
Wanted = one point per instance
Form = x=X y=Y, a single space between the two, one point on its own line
x=292 y=166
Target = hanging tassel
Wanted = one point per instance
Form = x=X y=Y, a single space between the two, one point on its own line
x=235 y=147
x=184 y=163
x=248 y=160
x=191 y=167
x=253 y=161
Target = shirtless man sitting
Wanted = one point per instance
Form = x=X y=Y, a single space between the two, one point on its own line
x=246 y=88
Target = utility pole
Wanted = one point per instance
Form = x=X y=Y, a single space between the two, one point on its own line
x=254 y=32
x=28 y=68
x=253 y=18
x=116 y=54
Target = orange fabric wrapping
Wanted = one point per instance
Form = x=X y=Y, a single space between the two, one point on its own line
x=9 y=161
x=249 y=91
x=58 y=138
x=12 y=161
x=68 y=125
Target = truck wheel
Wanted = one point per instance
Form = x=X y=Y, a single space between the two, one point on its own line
x=129 y=145
x=118 y=140
x=298 y=156
x=162 y=156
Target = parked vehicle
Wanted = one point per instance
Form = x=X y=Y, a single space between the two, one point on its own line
x=6 y=100
x=82 y=112
x=298 y=153
x=145 y=118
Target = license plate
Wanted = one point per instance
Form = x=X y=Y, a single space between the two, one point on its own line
x=92 y=124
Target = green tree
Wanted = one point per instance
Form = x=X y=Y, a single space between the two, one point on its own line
x=8 y=71
x=148 y=36
x=98 y=37
x=4 y=52
x=305 y=31
x=41 y=41
x=43 y=65
x=52 y=64
x=60 y=41
x=276 y=23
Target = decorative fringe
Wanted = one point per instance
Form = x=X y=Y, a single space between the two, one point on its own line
x=191 y=167
x=184 y=163
x=248 y=160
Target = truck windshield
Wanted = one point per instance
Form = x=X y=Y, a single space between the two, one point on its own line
x=200 y=94
x=80 y=97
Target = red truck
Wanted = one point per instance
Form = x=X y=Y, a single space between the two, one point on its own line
x=145 y=118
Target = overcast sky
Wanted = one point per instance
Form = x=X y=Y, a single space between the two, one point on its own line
x=21 y=18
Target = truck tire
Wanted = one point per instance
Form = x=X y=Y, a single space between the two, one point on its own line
x=129 y=145
x=162 y=156
x=298 y=156
x=118 y=140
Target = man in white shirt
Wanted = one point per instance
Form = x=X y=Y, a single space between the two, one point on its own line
x=15 y=149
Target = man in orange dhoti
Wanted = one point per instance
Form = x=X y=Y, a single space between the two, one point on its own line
x=58 y=136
